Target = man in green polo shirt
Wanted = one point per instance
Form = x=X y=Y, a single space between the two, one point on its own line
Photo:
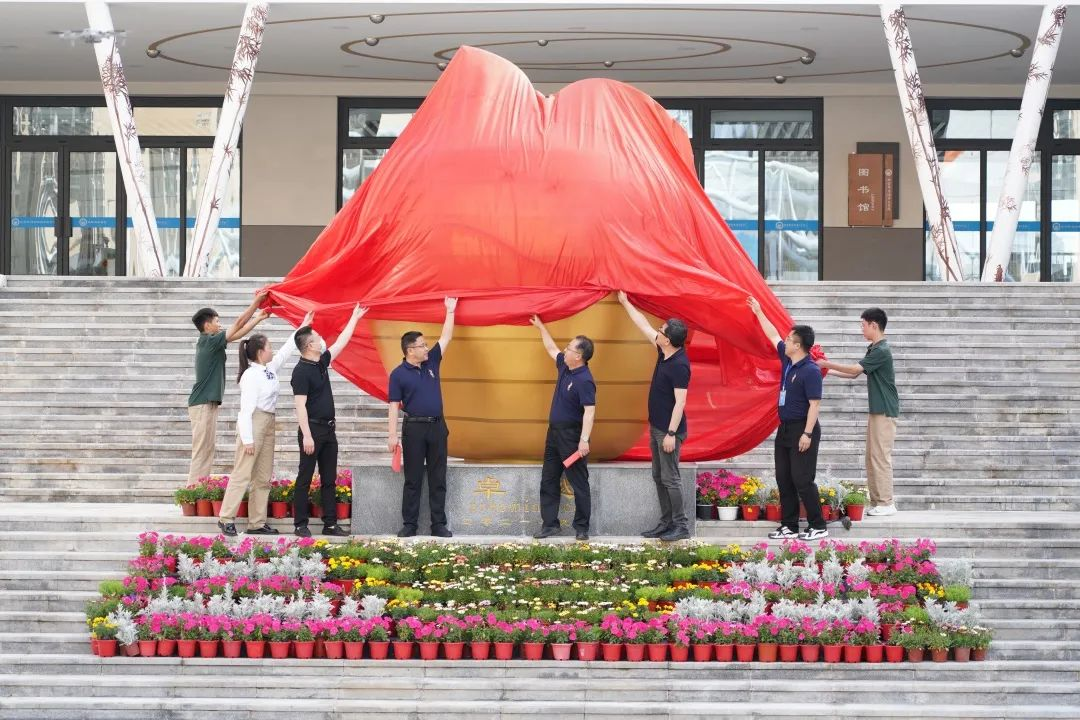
x=209 y=389
x=877 y=364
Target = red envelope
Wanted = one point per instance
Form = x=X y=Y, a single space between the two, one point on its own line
x=395 y=462
x=572 y=459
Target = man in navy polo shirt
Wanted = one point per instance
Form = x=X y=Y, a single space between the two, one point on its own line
x=667 y=421
x=799 y=434
x=415 y=384
x=570 y=424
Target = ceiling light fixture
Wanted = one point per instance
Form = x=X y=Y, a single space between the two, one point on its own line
x=542 y=42
x=1017 y=52
x=152 y=52
x=89 y=35
x=780 y=79
x=609 y=63
x=371 y=41
x=376 y=18
x=808 y=58
x=441 y=66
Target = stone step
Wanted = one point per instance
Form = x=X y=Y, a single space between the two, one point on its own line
x=42 y=622
x=45 y=601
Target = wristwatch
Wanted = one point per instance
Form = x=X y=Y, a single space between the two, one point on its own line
x=808 y=434
x=672 y=433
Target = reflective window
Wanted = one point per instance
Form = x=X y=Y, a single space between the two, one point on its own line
x=356 y=165
x=792 y=234
x=1024 y=264
x=1065 y=219
x=684 y=118
x=1067 y=124
x=996 y=124
x=761 y=124
x=960 y=173
x=90 y=121
x=378 y=122
x=731 y=182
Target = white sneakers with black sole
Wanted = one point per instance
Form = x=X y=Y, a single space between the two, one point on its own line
x=882 y=510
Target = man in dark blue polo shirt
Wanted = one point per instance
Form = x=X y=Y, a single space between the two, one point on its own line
x=415 y=384
x=667 y=421
x=570 y=424
x=799 y=434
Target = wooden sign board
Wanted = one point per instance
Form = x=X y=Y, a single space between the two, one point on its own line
x=866 y=179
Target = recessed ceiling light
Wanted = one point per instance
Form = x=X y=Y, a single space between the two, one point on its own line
x=576 y=27
x=339 y=27
x=809 y=29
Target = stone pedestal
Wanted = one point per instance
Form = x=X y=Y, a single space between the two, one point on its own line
x=505 y=500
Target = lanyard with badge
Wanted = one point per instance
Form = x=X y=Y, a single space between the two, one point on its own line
x=783 y=385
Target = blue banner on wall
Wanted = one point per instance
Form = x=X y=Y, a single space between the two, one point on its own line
x=108 y=221
x=775 y=225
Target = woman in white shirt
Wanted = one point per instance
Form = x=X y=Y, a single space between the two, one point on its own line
x=254 y=463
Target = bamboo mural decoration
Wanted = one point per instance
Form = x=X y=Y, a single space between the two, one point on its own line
x=237 y=91
x=149 y=259
x=921 y=137
x=1022 y=153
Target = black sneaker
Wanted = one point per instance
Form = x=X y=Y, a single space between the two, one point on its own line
x=442 y=532
x=227 y=528
x=582 y=536
x=301 y=531
x=407 y=532
x=675 y=534
x=264 y=530
x=783 y=533
x=546 y=532
x=814 y=534
x=656 y=531
x=335 y=531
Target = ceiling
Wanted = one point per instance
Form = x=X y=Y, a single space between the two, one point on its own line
x=658 y=43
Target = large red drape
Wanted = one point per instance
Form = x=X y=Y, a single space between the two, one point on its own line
x=520 y=203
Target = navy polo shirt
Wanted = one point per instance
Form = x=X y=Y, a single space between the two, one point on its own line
x=574 y=391
x=417 y=387
x=801 y=383
x=670 y=374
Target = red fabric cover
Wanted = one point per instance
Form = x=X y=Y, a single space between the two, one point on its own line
x=520 y=203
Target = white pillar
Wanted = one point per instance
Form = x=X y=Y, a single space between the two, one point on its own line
x=1022 y=154
x=913 y=104
x=149 y=260
x=241 y=75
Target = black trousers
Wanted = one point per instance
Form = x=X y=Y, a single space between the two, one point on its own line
x=562 y=442
x=424 y=443
x=795 y=473
x=325 y=456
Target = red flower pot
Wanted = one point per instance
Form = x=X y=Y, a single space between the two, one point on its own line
x=504 y=650
x=480 y=649
x=334 y=649
x=166 y=648
x=702 y=653
x=353 y=650
x=939 y=656
x=915 y=655
x=255 y=649
x=279 y=649
x=344 y=511
x=657 y=652
x=635 y=652
x=429 y=650
x=204 y=508
x=188 y=509
x=379 y=649
x=612 y=652
x=724 y=653
x=680 y=653
x=215 y=505
x=148 y=648
x=532 y=650
x=106 y=648
x=832 y=653
x=561 y=651
x=810 y=653
x=855 y=512
x=961 y=654
x=894 y=653
x=231 y=648
x=185 y=648
x=802 y=511
x=454 y=650
x=826 y=513
x=278 y=509
x=887 y=630
x=751 y=513
x=875 y=653
x=745 y=653
x=767 y=652
x=789 y=653
x=772 y=513
x=403 y=649
x=315 y=510
x=208 y=648
x=978 y=654
x=853 y=653
x=586 y=651
x=242 y=509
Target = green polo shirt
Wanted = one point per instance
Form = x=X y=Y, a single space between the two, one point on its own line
x=881 y=380
x=209 y=369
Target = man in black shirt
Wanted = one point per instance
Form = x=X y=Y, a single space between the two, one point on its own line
x=314 y=399
x=667 y=419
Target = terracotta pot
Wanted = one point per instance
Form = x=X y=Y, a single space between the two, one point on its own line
x=242 y=509
x=231 y=648
x=188 y=509
x=810 y=653
x=657 y=652
x=750 y=513
x=894 y=653
x=723 y=653
x=344 y=511
x=680 y=653
x=278 y=509
x=279 y=650
x=204 y=508
x=855 y=512
x=379 y=649
x=832 y=653
x=504 y=650
x=939 y=656
x=166 y=648
x=216 y=506
x=887 y=630
x=745 y=653
x=353 y=650
x=480 y=649
x=635 y=652
x=875 y=653
x=768 y=652
x=826 y=513
x=131 y=650
x=454 y=650
x=334 y=649
x=403 y=649
x=853 y=653
x=93 y=646
x=789 y=653
x=148 y=648
x=255 y=649
x=978 y=654
x=772 y=513
x=106 y=648
x=915 y=655
x=186 y=648
x=561 y=651
x=532 y=650
x=208 y=648
x=429 y=650
x=612 y=652
x=587 y=651
x=702 y=653
x=961 y=654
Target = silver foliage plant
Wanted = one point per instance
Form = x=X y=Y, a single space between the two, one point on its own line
x=126 y=631
x=373 y=607
x=955 y=571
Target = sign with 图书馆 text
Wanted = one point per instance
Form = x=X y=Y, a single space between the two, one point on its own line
x=866 y=182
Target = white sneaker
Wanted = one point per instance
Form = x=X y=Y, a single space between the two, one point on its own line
x=882 y=510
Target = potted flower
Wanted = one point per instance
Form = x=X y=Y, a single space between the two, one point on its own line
x=788 y=635
x=727 y=486
x=453 y=637
x=405 y=632
x=104 y=632
x=587 y=642
x=560 y=638
x=855 y=503
x=215 y=491
x=186 y=497
x=377 y=636
x=281 y=492
x=959 y=594
x=723 y=641
x=745 y=640
x=352 y=641
x=938 y=642
x=830 y=639
x=980 y=642
x=706 y=497
x=532 y=635
x=768 y=640
x=655 y=635
x=913 y=640
x=479 y=636
x=750 y=498
x=611 y=638
x=772 y=504
x=343 y=494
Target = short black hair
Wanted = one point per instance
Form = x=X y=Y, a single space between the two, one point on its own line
x=303 y=337
x=203 y=316
x=876 y=315
x=676 y=332
x=585 y=347
x=805 y=333
x=408 y=339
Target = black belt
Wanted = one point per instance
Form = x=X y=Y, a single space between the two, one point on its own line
x=329 y=423
x=421 y=418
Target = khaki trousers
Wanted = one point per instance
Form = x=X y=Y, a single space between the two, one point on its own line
x=203 y=435
x=254 y=470
x=880 y=434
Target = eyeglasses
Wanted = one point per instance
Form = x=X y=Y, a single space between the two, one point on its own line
x=663 y=332
x=418 y=347
x=573 y=350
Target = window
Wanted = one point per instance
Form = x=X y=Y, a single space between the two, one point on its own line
x=367 y=127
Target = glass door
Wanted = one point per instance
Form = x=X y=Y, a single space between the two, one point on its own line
x=35 y=216
x=91 y=227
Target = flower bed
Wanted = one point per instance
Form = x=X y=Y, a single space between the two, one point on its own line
x=204 y=496
x=308 y=598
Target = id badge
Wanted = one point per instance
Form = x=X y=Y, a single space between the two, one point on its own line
x=783 y=396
